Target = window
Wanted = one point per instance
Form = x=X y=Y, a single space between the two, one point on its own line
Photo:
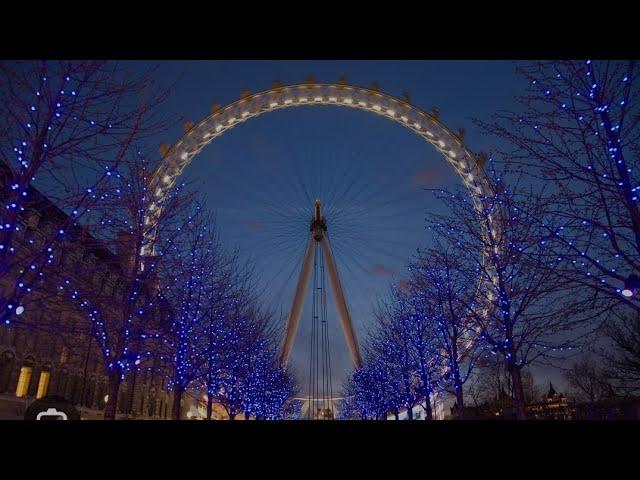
x=142 y=399
x=78 y=388
x=43 y=384
x=62 y=380
x=108 y=285
x=6 y=366
x=64 y=355
x=122 y=401
x=33 y=219
x=152 y=407
x=23 y=381
x=99 y=280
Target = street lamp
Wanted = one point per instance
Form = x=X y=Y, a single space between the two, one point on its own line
x=631 y=286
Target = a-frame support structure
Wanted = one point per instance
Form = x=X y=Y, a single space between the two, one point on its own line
x=319 y=236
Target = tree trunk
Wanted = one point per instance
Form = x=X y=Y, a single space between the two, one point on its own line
x=209 y=406
x=459 y=402
x=176 y=408
x=457 y=385
x=246 y=415
x=428 y=410
x=427 y=402
x=410 y=413
x=115 y=380
x=426 y=392
x=518 y=394
x=396 y=415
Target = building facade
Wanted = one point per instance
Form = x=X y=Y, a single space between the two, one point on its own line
x=50 y=351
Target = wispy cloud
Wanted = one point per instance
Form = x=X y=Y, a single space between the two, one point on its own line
x=403 y=285
x=252 y=225
x=381 y=270
x=428 y=177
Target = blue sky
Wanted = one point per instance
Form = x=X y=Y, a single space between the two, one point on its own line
x=370 y=173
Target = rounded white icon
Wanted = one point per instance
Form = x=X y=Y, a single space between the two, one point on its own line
x=52 y=412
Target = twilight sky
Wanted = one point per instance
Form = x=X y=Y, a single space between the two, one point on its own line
x=260 y=178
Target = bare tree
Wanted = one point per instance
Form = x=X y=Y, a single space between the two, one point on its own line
x=222 y=291
x=521 y=310
x=402 y=363
x=492 y=386
x=190 y=260
x=576 y=131
x=129 y=321
x=373 y=390
x=588 y=382
x=269 y=385
x=393 y=343
x=622 y=355
x=439 y=293
x=240 y=367
x=67 y=127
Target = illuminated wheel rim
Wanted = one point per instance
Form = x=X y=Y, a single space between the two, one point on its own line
x=450 y=145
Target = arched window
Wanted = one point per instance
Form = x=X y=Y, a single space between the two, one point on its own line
x=61 y=380
x=43 y=384
x=142 y=400
x=152 y=403
x=64 y=354
x=6 y=367
x=23 y=381
x=122 y=402
x=73 y=389
x=78 y=391
x=20 y=341
x=33 y=219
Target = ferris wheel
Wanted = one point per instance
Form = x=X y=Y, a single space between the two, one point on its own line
x=319 y=237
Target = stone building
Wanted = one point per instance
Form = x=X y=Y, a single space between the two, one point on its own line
x=54 y=353
x=554 y=406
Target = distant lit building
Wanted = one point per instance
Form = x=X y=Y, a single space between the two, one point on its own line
x=554 y=406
